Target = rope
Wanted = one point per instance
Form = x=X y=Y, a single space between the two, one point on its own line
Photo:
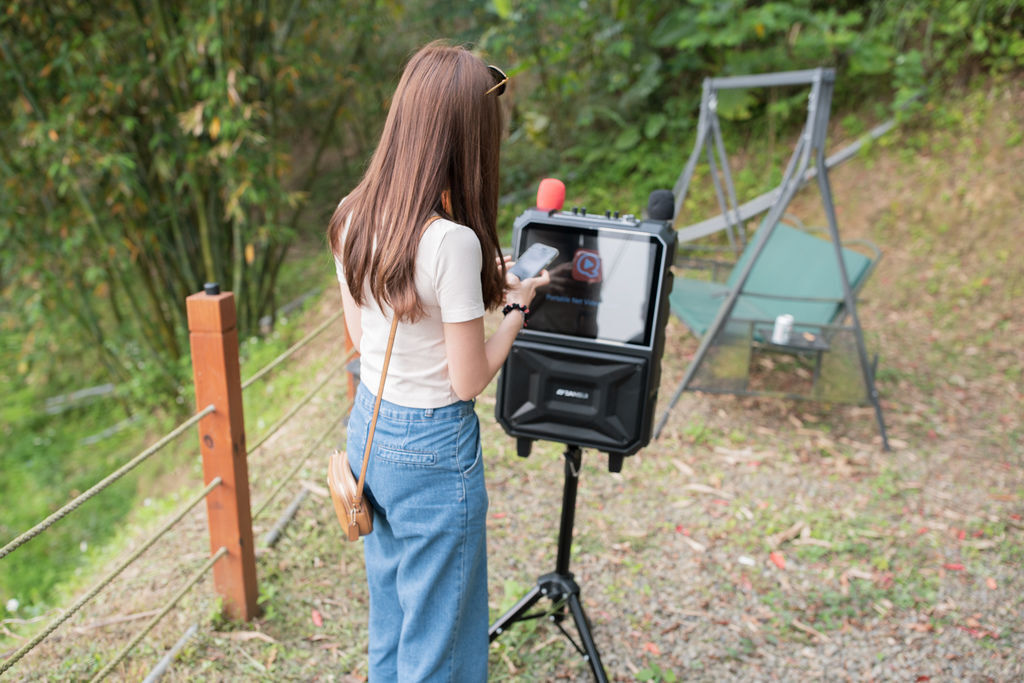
x=302 y=402
x=294 y=471
x=52 y=626
x=163 y=612
x=295 y=347
x=110 y=479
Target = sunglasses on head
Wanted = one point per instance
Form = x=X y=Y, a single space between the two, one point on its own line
x=500 y=79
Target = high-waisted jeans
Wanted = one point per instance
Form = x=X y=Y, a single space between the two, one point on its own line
x=426 y=560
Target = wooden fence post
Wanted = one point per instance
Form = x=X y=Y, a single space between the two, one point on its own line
x=213 y=336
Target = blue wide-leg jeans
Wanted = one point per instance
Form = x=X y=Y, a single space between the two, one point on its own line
x=426 y=560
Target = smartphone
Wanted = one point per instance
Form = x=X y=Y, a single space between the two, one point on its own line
x=533 y=260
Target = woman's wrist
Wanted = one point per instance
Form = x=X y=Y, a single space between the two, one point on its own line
x=513 y=307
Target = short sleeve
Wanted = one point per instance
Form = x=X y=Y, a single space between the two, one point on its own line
x=457 y=278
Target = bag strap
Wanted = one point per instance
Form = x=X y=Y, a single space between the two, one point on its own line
x=380 y=393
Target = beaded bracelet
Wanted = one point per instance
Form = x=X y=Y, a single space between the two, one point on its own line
x=517 y=307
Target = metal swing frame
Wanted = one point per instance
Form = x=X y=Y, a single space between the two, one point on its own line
x=799 y=170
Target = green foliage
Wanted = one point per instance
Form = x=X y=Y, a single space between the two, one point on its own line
x=654 y=673
x=148 y=150
x=607 y=95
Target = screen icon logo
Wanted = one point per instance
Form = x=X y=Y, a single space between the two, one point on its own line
x=586 y=266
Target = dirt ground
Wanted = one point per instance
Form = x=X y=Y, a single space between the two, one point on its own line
x=758 y=538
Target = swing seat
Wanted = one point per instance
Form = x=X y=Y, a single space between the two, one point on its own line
x=795 y=273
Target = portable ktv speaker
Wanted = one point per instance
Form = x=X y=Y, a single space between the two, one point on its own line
x=585 y=370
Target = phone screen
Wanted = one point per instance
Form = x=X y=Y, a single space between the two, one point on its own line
x=533 y=260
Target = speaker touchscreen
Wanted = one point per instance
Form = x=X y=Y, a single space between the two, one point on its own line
x=603 y=284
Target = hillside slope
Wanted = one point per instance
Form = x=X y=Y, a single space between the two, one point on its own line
x=759 y=538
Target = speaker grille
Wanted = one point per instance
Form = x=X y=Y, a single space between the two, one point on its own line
x=580 y=397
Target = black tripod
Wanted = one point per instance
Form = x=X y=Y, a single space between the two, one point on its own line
x=559 y=585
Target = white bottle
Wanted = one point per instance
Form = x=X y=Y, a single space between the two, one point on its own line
x=783 y=329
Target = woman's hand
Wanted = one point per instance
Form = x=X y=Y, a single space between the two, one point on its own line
x=522 y=291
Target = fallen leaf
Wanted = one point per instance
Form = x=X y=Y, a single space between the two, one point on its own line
x=318 y=619
x=978 y=632
x=778 y=559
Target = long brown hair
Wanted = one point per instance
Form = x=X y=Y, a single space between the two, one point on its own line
x=442 y=137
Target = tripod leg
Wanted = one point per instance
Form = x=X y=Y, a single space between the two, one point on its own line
x=593 y=658
x=514 y=614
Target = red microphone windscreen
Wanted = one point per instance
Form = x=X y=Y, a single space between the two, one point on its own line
x=550 y=194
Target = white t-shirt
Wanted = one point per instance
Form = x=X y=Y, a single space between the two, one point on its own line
x=448 y=265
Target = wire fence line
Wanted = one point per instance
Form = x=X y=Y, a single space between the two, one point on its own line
x=105 y=581
x=298 y=466
x=107 y=481
x=196 y=578
x=291 y=350
x=66 y=614
x=165 y=662
x=302 y=402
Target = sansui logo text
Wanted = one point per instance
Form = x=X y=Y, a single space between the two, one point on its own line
x=572 y=393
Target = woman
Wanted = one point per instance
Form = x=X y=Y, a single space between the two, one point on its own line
x=426 y=559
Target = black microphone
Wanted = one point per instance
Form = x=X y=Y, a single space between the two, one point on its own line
x=661 y=205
